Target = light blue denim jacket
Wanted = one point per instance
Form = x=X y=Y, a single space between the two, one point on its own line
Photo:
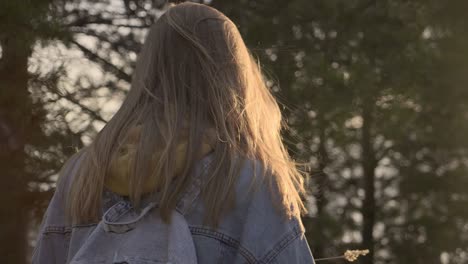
x=252 y=232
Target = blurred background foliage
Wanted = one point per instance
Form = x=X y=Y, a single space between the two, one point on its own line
x=374 y=93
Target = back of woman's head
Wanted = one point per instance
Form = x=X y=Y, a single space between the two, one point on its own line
x=197 y=83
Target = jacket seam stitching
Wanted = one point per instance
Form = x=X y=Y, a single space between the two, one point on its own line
x=84 y=225
x=226 y=239
x=281 y=245
x=57 y=230
x=64 y=229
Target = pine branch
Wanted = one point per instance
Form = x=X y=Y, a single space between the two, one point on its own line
x=104 y=63
x=88 y=110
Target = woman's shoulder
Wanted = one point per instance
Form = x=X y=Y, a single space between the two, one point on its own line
x=259 y=202
x=256 y=224
x=70 y=169
x=55 y=218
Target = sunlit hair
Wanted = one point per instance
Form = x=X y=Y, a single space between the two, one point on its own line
x=194 y=71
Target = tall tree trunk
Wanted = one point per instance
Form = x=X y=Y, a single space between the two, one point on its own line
x=321 y=180
x=368 y=164
x=15 y=108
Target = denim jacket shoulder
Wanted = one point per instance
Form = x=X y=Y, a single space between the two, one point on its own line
x=253 y=232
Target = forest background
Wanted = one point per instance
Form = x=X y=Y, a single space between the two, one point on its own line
x=374 y=93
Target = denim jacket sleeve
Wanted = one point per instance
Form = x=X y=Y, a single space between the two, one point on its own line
x=52 y=245
x=253 y=231
x=274 y=237
x=54 y=234
x=297 y=251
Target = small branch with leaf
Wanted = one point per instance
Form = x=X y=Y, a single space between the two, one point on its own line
x=349 y=255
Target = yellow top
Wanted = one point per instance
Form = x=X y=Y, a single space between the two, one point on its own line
x=117 y=180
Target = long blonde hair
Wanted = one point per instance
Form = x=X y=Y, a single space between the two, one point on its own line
x=194 y=71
